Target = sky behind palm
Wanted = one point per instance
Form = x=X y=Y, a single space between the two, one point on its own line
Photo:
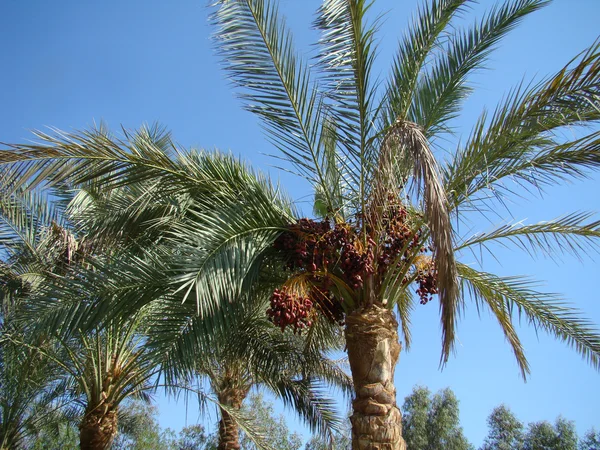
x=69 y=64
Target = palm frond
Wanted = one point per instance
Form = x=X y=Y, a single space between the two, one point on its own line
x=572 y=234
x=405 y=305
x=339 y=191
x=24 y=216
x=346 y=58
x=522 y=138
x=80 y=157
x=276 y=83
x=248 y=424
x=308 y=398
x=509 y=295
x=442 y=88
x=423 y=35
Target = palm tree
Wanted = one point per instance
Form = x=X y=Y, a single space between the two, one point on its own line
x=246 y=351
x=387 y=205
x=96 y=368
x=31 y=391
x=258 y=354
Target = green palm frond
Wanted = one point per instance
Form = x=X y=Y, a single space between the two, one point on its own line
x=507 y=296
x=24 y=217
x=31 y=391
x=346 y=56
x=442 y=88
x=309 y=398
x=142 y=156
x=136 y=214
x=522 y=138
x=226 y=268
x=340 y=193
x=404 y=306
x=276 y=84
x=422 y=37
x=573 y=234
x=248 y=424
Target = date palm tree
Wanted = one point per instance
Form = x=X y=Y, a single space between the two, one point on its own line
x=258 y=355
x=31 y=391
x=96 y=368
x=386 y=202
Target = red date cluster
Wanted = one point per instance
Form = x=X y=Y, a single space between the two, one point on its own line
x=427 y=280
x=290 y=309
x=399 y=242
x=321 y=249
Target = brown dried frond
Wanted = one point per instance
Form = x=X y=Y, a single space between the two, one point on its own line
x=405 y=141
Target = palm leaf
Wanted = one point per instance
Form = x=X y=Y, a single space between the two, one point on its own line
x=346 y=58
x=423 y=35
x=508 y=295
x=572 y=234
x=276 y=84
x=442 y=88
x=522 y=139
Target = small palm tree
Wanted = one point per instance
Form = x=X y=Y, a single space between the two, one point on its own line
x=257 y=354
x=31 y=392
x=97 y=369
x=246 y=351
x=234 y=356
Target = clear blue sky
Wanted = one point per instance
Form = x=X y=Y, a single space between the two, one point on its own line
x=127 y=62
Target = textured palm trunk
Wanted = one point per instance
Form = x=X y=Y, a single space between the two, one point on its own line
x=97 y=429
x=373 y=350
x=229 y=436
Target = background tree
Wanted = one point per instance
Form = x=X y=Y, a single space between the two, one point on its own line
x=545 y=436
x=505 y=431
x=32 y=396
x=139 y=430
x=275 y=427
x=591 y=440
x=433 y=422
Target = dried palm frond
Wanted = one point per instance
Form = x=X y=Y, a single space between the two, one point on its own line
x=405 y=142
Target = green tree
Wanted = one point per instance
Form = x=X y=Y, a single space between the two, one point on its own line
x=248 y=351
x=544 y=436
x=139 y=429
x=64 y=436
x=275 y=427
x=32 y=397
x=432 y=422
x=339 y=441
x=590 y=441
x=364 y=145
x=194 y=437
x=505 y=431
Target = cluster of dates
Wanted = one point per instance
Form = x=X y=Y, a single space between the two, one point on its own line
x=427 y=280
x=399 y=242
x=320 y=248
x=312 y=245
x=290 y=309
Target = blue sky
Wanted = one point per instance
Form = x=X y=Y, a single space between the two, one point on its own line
x=69 y=64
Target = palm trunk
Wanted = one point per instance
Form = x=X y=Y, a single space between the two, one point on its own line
x=97 y=429
x=229 y=436
x=373 y=350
